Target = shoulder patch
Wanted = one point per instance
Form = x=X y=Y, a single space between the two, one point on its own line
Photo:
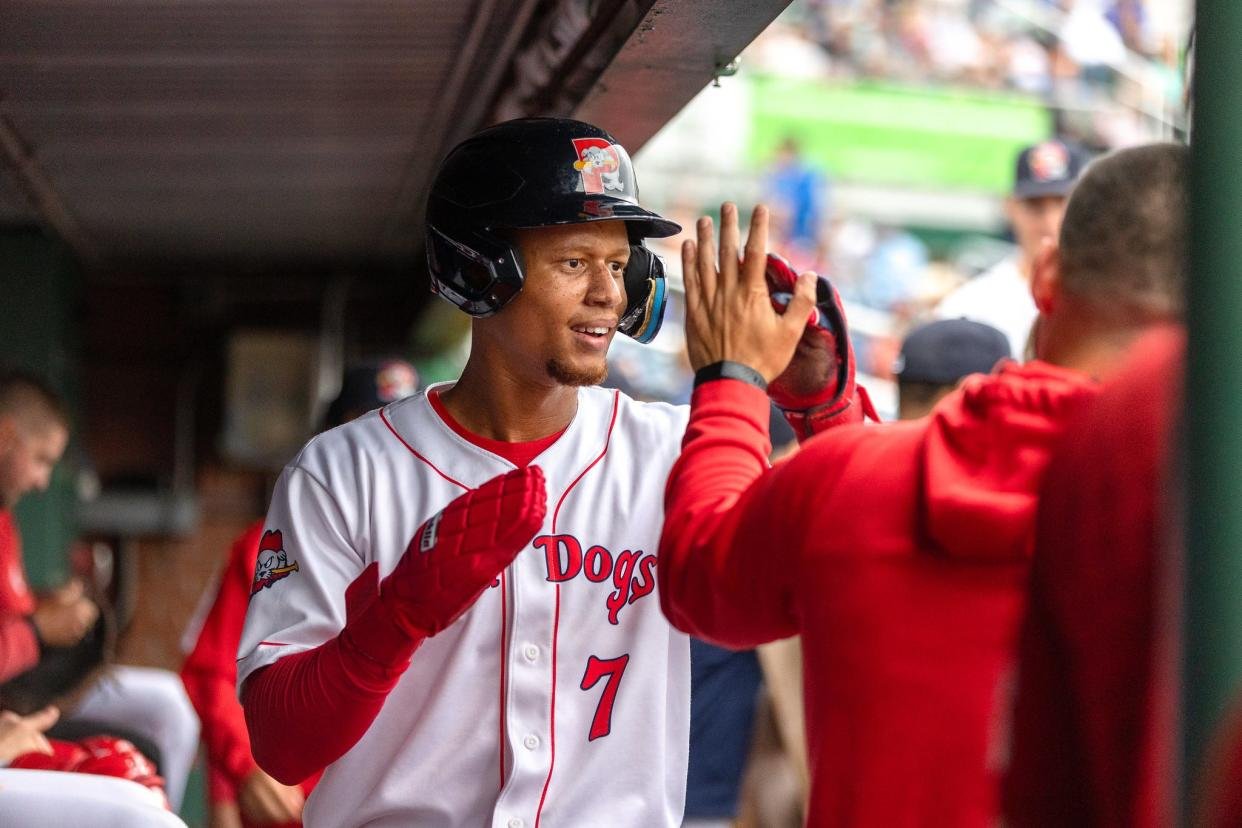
x=272 y=564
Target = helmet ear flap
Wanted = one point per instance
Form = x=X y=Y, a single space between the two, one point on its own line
x=476 y=271
x=645 y=292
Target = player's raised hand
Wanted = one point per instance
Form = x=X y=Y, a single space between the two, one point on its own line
x=729 y=315
x=20 y=735
x=461 y=550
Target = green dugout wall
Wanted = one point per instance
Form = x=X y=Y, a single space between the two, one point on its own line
x=38 y=303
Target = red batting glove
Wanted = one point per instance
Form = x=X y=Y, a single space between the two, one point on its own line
x=101 y=755
x=451 y=560
x=65 y=756
x=109 y=756
x=817 y=390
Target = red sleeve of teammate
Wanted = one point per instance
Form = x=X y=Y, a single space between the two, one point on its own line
x=19 y=647
x=725 y=514
x=306 y=710
x=210 y=671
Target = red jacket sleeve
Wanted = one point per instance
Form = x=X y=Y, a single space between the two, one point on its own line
x=210 y=671
x=726 y=518
x=19 y=647
x=307 y=710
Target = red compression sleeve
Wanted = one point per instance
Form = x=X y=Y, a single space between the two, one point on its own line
x=19 y=647
x=724 y=514
x=210 y=671
x=307 y=710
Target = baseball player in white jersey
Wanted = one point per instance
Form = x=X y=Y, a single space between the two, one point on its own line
x=454 y=605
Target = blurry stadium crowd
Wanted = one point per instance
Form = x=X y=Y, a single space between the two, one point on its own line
x=1095 y=60
x=1110 y=74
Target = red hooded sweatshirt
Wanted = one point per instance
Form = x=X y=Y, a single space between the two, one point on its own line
x=899 y=553
x=1094 y=734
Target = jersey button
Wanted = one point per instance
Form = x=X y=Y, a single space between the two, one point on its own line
x=531 y=742
x=515 y=823
x=530 y=652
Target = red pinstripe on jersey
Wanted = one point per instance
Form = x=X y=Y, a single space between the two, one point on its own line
x=556 y=619
x=504 y=662
x=384 y=417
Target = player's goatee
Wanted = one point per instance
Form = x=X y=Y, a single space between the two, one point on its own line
x=568 y=375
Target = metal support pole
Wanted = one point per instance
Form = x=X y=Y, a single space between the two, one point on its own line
x=1213 y=610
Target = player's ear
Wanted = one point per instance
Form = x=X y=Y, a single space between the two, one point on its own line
x=1046 y=278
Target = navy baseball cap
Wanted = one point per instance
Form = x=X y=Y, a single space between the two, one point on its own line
x=371 y=385
x=1049 y=168
x=943 y=352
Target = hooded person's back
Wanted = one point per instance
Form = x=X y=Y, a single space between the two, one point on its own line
x=903 y=554
x=900 y=552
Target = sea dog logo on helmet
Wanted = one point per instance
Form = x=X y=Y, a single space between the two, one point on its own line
x=599 y=164
x=273 y=564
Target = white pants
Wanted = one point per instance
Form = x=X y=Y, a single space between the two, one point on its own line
x=151 y=703
x=51 y=799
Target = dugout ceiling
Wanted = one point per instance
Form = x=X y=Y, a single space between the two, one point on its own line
x=271 y=132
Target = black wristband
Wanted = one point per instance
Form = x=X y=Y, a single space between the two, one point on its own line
x=730 y=370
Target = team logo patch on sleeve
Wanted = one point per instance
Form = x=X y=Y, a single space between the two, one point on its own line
x=273 y=564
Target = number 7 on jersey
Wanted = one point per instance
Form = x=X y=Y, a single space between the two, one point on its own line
x=596 y=669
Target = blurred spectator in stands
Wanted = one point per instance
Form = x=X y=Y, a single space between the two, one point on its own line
x=1043 y=177
x=798 y=196
x=42 y=641
x=241 y=793
x=1073 y=53
x=1129 y=18
x=934 y=358
x=894 y=271
x=1091 y=41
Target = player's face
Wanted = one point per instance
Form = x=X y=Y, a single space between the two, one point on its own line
x=1036 y=221
x=27 y=457
x=562 y=322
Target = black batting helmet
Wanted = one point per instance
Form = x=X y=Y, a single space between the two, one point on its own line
x=536 y=172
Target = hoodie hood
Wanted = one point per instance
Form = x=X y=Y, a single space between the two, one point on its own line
x=984 y=455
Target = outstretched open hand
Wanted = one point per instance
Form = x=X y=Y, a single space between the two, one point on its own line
x=729 y=315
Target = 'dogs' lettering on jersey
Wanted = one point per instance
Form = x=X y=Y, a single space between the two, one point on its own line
x=632 y=573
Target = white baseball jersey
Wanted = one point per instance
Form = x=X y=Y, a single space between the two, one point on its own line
x=562 y=697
